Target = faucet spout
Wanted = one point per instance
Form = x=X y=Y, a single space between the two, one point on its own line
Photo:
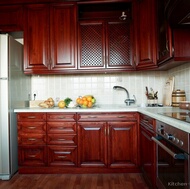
x=128 y=101
x=122 y=88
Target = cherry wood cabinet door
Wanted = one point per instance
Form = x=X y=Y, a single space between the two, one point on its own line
x=145 y=34
x=122 y=145
x=92 y=144
x=36 y=38
x=91 y=45
x=63 y=23
x=119 y=45
x=11 y=18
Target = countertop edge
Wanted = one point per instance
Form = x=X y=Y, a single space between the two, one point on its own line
x=153 y=112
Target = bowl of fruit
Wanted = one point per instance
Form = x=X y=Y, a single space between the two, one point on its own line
x=87 y=101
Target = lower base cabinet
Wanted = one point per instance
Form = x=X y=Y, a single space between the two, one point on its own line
x=78 y=142
x=105 y=143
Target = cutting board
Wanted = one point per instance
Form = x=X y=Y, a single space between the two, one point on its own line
x=168 y=89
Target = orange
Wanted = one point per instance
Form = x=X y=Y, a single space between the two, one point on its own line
x=89 y=104
x=85 y=102
x=78 y=100
x=81 y=102
x=89 y=98
x=83 y=98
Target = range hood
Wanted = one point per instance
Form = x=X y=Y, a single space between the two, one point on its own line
x=178 y=12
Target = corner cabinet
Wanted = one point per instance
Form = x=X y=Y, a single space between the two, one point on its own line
x=108 y=144
x=49 y=38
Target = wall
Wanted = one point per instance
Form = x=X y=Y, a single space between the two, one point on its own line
x=182 y=78
x=100 y=85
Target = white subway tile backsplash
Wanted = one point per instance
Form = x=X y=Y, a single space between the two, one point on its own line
x=101 y=85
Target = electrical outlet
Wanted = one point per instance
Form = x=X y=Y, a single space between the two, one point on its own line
x=34 y=95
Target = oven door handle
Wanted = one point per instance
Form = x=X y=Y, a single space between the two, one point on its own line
x=174 y=155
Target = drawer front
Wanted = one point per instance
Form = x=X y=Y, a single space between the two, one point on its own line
x=62 y=156
x=69 y=140
x=108 y=117
x=31 y=117
x=61 y=117
x=61 y=127
x=147 y=121
x=32 y=127
x=32 y=156
x=31 y=139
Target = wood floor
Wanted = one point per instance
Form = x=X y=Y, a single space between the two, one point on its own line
x=75 y=181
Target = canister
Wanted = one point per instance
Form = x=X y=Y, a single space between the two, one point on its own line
x=178 y=96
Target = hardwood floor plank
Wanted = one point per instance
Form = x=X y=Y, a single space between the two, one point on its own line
x=75 y=181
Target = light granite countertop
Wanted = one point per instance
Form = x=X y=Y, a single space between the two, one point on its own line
x=154 y=112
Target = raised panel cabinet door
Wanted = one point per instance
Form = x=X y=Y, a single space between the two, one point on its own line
x=122 y=145
x=11 y=18
x=36 y=38
x=145 y=34
x=119 y=45
x=147 y=154
x=91 y=45
x=63 y=23
x=92 y=144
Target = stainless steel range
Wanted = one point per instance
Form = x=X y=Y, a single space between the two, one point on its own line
x=173 y=161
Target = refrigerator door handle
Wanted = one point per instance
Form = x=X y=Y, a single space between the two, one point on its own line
x=3 y=78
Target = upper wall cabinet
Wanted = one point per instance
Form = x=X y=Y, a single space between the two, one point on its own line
x=50 y=38
x=11 y=18
x=145 y=34
x=104 y=38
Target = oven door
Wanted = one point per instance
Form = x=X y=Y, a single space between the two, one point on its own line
x=172 y=165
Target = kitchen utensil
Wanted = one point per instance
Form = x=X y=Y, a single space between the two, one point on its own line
x=167 y=91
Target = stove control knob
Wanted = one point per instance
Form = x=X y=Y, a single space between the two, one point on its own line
x=181 y=143
x=176 y=140
x=169 y=136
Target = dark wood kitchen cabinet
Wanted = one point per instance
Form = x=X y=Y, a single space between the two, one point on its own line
x=148 y=149
x=145 y=30
x=105 y=45
x=50 y=38
x=31 y=139
x=11 y=18
x=104 y=143
x=61 y=139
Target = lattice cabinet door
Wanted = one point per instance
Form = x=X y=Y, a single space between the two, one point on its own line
x=119 y=45
x=91 y=45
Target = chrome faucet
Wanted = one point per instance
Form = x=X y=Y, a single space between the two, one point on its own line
x=128 y=101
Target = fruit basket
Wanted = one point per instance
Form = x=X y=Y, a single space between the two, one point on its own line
x=87 y=101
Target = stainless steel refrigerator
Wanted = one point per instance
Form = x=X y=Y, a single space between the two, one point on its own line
x=14 y=92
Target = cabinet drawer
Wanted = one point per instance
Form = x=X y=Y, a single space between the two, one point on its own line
x=32 y=156
x=61 y=127
x=28 y=139
x=31 y=117
x=62 y=139
x=62 y=156
x=147 y=121
x=108 y=117
x=61 y=117
x=31 y=127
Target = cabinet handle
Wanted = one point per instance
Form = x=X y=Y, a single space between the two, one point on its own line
x=108 y=131
x=63 y=157
x=31 y=139
x=31 y=127
x=61 y=128
x=32 y=156
x=31 y=117
x=121 y=116
x=61 y=139
x=61 y=117
x=92 y=116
